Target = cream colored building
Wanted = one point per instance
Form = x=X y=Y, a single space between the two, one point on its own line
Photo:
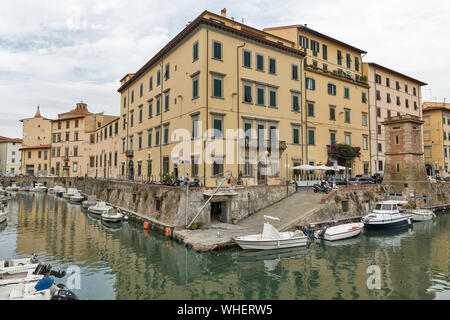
x=216 y=73
x=391 y=94
x=36 y=144
x=436 y=138
x=335 y=107
x=10 y=155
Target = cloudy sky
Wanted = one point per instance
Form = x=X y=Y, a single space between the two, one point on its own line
x=56 y=53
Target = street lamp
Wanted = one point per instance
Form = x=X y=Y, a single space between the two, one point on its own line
x=148 y=165
x=267 y=164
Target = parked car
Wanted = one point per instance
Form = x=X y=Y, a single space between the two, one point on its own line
x=339 y=181
x=378 y=177
x=51 y=175
x=432 y=179
x=446 y=179
x=360 y=180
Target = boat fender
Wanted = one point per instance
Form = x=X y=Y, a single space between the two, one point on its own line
x=44 y=283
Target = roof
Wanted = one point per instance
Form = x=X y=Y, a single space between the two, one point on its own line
x=12 y=140
x=373 y=64
x=42 y=146
x=199 y=21
x=311 y=31
x=435 y=108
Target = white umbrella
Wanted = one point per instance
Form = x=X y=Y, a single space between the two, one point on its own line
x=323 y=167
x=305 y=167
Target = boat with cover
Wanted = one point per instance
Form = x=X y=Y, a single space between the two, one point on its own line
x=56 y=189
x=340 y=232
x=18 y=265
x=100 y=208
x=3 y=213
x=387 y=215
x=271 y=238
x=17 y=275
x=69 y=193
x=39 y=187
x=43 y=289
x=77 y=197
x=113 y=215
x=12 y=187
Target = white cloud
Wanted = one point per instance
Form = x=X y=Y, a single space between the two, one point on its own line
x=55 y=53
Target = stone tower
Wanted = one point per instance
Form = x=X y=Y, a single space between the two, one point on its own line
x=405 y=166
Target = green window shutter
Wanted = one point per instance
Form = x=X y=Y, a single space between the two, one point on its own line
x=347 y=93
x=313 y=84
x=311 y=137
x=333 y=138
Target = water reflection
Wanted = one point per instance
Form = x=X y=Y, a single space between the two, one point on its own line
x=122 y=261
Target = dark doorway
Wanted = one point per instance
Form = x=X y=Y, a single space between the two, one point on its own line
x=218 y=212
x=261 y=173
x=131 y=170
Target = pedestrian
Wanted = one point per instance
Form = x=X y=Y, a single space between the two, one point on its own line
x=186 y=177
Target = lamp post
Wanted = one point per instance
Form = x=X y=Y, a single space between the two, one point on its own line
x=267 y=164
x=149 y=159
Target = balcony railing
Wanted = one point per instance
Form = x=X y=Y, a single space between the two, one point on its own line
x=129 y=153
x=267 y=144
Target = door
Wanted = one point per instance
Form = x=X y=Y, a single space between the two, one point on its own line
x=261 y=173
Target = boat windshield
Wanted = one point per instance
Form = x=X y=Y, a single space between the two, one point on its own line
x=386 y=207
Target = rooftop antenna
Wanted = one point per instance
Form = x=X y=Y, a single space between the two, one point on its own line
x=242 y=20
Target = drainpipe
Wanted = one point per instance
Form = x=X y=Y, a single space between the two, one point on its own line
x=306 y=127
x=301 y=100
x=237 y=105
x=127 y=121
x=161 y=106
x=207 y=107
x=376 y=120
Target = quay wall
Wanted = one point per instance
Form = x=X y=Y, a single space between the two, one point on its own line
x=169 y=205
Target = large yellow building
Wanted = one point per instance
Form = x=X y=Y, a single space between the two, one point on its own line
x=36 y=144
x=436 y=137
x=335 y=108
x=215 y=74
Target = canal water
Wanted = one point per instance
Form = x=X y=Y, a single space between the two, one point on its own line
x=127 y=262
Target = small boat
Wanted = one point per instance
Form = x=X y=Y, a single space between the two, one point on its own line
x=26 y=187
x=18 y=265
x=340 y=232
x=77 y=197
x=100 y=208
x=39 y=187
x=44 y=289
x=422 y=215
x=113 y=215
x=271 y=238
x=69 y=193
x=91 y=201
x=12 y=187
x=387 y=215
x=3 y=213
x=56 y=189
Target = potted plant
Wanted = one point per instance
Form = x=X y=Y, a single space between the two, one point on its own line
x=234 y=220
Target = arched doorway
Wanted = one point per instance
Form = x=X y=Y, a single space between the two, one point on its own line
x=429 y=168
x=131 y=170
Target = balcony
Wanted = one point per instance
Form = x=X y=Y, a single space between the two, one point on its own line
x=129 y=153
x=65 y=157
x=264 y=144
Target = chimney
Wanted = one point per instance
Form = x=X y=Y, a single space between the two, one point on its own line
x=223 y=12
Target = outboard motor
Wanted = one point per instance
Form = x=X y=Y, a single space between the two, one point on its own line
x=63 y=294
x=44 y=269
x=322 y=232
x=34 y=258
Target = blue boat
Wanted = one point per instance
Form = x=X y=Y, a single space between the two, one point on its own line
x=387 y=215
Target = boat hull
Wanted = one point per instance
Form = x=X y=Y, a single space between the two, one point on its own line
x=388 y=224
x=3 y=216
x=353 y=230
x=271 y=244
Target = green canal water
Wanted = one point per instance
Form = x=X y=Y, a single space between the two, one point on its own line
x=127 y=262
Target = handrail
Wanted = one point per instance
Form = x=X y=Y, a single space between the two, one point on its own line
x=212 y=195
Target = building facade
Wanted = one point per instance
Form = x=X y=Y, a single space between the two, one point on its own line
x=436 y=138
x=10 y=155
x=391 y=94
x=234 y=78
x=335 y=107
x=36 y=144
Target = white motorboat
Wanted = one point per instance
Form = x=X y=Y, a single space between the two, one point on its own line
x=77 y=197
x=387 y=215
x=3 y=213
x=113 y=215
x=422 y=215
x=100 y=208
x=91 y=201
x=271 y=238
x=39 y=187
x=57 y=189
x=25 y=187
x=24 y=276
x=340 y=232
x=12 y=187
x=18 y=265
x=69 y=193
x=44 y=289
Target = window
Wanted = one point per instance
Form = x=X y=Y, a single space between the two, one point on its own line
x=260 y=94
x=380 y=165
x=132 y=96
x=415 y=105
x=365 y=142
x=295 y=136
x=218 y=166
x=150 y=109
x=141 y=89
x=349 y=61
x=310 y=109
x=311 y=137
x=272 y=98
x=364 y=97
x=397 y=85
x=158 y=78
x=195 y=51
x=166 y=135
x=388 y=82
x=59 y=123
x=217 y=50
x=325 y=67
x=157 y=137
x=398 y=101
x=378 y=112
x=295 y=102
x=158 y=105
x=166 y=165
x=76 y=123
x=347 y=93
x=218 y=127
x=414 y=91
x=195 y=128
x=247 y=93
x=247 y=59
x=310 y=84
x=166 y=101
x=347 y=115
x=339 y=57
x=356 y=64
x=272 y=66
x=195 y=88
x=388 y=97
x=406 y=88
x=75 y=166
x=406 y=103
x=67 y=124
x=217 y=87
x=167 y=73
x=324 y=52
x=314 y=47
x=348 y=138
x=332 y=137
x=332 y=113
x=304 y=42
x=194 y=166
x=140 y=141
x=131 y=118
x=389 y=113
x=377 y=78
x=397 y=140
x=332 y=89
x=150 y=83
x=294 y=72
x=364 y=119
x=140 y=114
x=380 y=147
x=259 y=62
x=379 y=129
x=378 y=95
x=149 y=138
